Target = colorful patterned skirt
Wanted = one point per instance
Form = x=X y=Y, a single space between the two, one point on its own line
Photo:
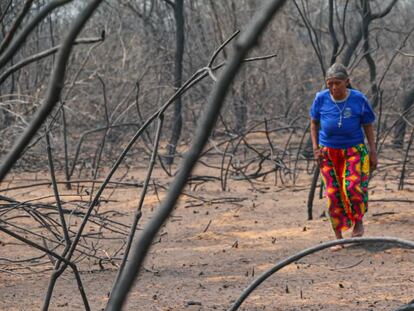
x=345 y=173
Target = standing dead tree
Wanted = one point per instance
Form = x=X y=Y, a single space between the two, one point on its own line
x=368 y=17
x=401 y=125
x=178 y=7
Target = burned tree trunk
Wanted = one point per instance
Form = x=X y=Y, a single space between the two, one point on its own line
x=401 y=124
x=178 y=77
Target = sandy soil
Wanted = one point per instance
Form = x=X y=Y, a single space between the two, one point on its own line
x=208 y=252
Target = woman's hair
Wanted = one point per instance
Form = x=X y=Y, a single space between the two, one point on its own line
x=337 y=71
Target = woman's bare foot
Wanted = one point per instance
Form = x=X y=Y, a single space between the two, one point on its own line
x=358 y=229
x=337 y=247
x=339 y=236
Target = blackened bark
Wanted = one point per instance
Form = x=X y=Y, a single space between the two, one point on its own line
x=334 y=39
x=29 y=27
x=239 y=102
x=349 y=51
x=178 y=77
x=13 y=29
x=366 y=20
x=401 y=125
x=240 y=109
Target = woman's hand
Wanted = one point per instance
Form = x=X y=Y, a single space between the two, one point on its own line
x=373 y=160
x=314 y=129
x=369 y=133
x=317 y=155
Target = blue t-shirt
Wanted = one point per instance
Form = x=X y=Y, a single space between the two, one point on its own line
x=346 y=131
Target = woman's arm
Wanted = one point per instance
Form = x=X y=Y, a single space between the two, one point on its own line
x=314 y=128
x=369 y=133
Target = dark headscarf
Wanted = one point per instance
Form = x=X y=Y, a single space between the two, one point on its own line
x=337 y=71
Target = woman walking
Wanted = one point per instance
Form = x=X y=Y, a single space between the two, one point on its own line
x=341 y=118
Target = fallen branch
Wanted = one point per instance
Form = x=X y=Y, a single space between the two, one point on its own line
x=208 y=225
x=392 y=200
x=311 y=250
x=409 y=307
x=347 y=267
x=79 y=181
x=382 y=214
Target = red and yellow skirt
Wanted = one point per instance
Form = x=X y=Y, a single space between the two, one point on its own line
x=345 y=173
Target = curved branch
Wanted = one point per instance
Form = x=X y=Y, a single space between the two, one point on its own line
x=312 y=37
x=342 y=27
x=311 y=250
x=41 y=55
x=405 y=54
x=170 y=3
x=34 y=245
x=385 y=12
x=5 y=10
x=15 y=45
x=221 y=47
x=409 y=307
x=10 y=34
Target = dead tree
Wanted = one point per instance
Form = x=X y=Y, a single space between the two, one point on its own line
x=400 y=128
x=177 y=121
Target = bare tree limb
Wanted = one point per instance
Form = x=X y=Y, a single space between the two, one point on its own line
x=405 y=54
x=5 y=10
x=12 y=31
x=334 y=39
x=138 y=212
x=220 y=48
x=34 y=245
x=406 y=159
x=385 y=11
x=19 y=40
x=170 y=3
x=56 y=191
x=342 y=27
x=41 y=55
x=312 y=37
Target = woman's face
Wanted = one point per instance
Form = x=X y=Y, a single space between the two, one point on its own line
x=337 y=87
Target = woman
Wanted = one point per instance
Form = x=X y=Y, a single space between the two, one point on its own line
x=340 y=116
